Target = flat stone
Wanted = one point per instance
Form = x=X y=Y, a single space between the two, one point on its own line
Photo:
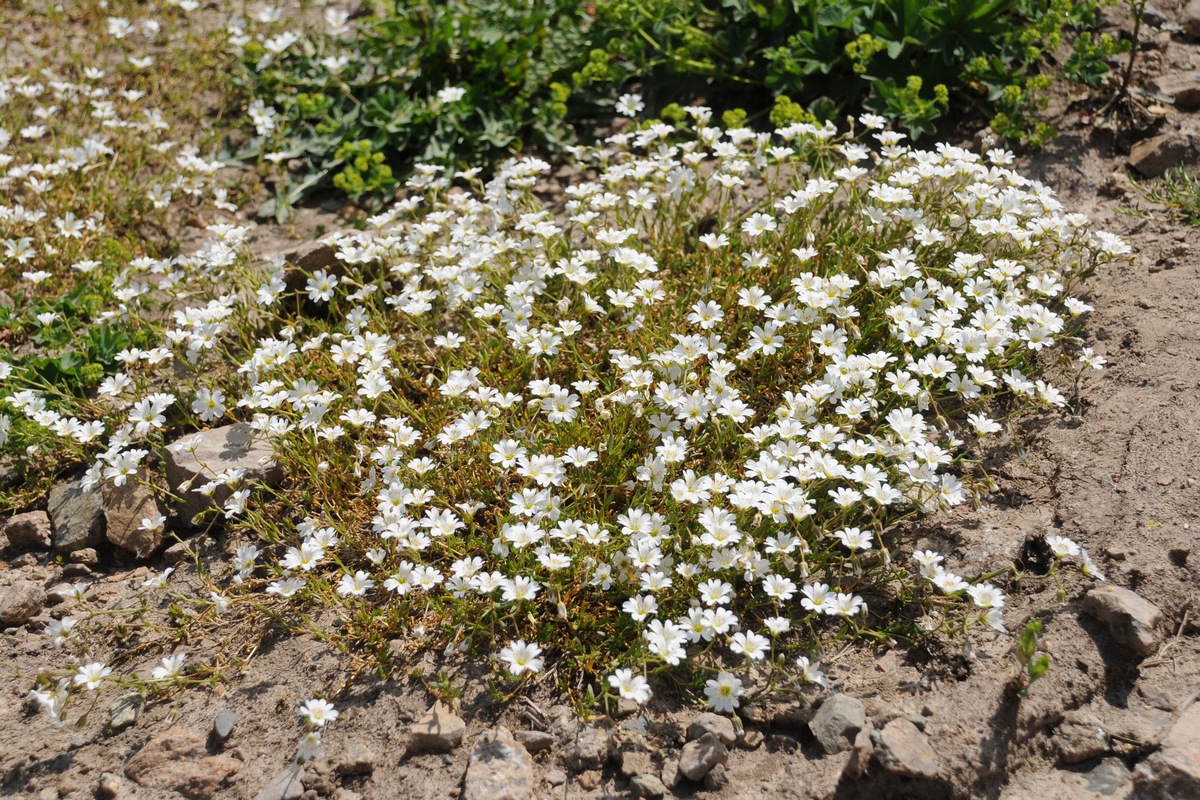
x=28 y=531
x=1081 y=737
x=1174 y=770
x=197 y=459
x=589 y=749
x=556 y=777
x=701 y=755
x=176 y=760
x=709 y=722
x=1154 y=156
x=648 y=786
x=499 y=768
x=439 y=729
x=904 y=750
x=671 y=776
x=1184 y=87
x=535 y=741
x=589 y=780
x=751 y=740
x=358 y=759
x=1130 y=618
x=286 y=785
x=126 y=711
x=636 y=762
x=124 y=509
x=21 y=602
x=76 y=517
x=837 y=722
x=222 y=727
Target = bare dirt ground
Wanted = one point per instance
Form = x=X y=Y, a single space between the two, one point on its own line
x=1118 y=478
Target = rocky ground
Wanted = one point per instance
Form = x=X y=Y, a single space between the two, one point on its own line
x=1115 y=717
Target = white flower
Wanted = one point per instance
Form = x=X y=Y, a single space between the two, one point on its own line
x=521 y=656
x=722 y=693
x=630 y=686
x=317 y=712
x=451 y=94
x=630 y=105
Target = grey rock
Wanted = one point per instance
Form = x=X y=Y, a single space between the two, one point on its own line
x=126 y=711
x=109 y=786
x=439 y=729
x=196 y=459
x=287 y=785
x=1184 y=87
x=76 y=516
x=358 y=759
x=589 y=749
x=1130 y=618
x=1109 y=778
x=124 y=509
x=716 y=778
x=904 y=750
x=29 y=531
x=1153 y=16
x=556 y=777
x=535 y=741
x=837 y=722
x=499 y=768
x=23 y=560
x=708 y=722
x=1081 y=737
x=176 y=760
x=701 y=755
x=176 y=553
x=671 y=775
x=21 y=602
x=1174 y=771
x=1154 y=156
x=342 y=793
x=648 y=786
x=222 y=727
x=636 y=762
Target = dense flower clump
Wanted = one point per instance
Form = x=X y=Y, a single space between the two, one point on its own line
x=663 y=420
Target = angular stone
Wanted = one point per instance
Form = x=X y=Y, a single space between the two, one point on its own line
x=709 y=722
x=701 y=755
x=499 y=769
x=1184 y=87
x=1130 y=618
x=124 y=509
x=21 y=602
x=222 y=727
x=439 y=729
x=1174 y=771
x=837 y=722
x=1154 y=156
x=358 y=759
x=535 y=741
x=176 y=760
x=197 y=459
x=126 y=711
x=87 y=556
x=750 y=740
x=589 y=750
x=860 y=754
x=589 y=780
x=287 y=785
x=648 y=786
x=904 y=750
x=76 y=516
x=635 y=762
x=29 y=531
x=716 y=778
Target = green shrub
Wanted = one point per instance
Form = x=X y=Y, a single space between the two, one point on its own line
x=464 y=82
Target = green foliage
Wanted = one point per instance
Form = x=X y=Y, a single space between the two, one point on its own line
x=533 y=71
x=1179 y=191
x=1030 y=664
